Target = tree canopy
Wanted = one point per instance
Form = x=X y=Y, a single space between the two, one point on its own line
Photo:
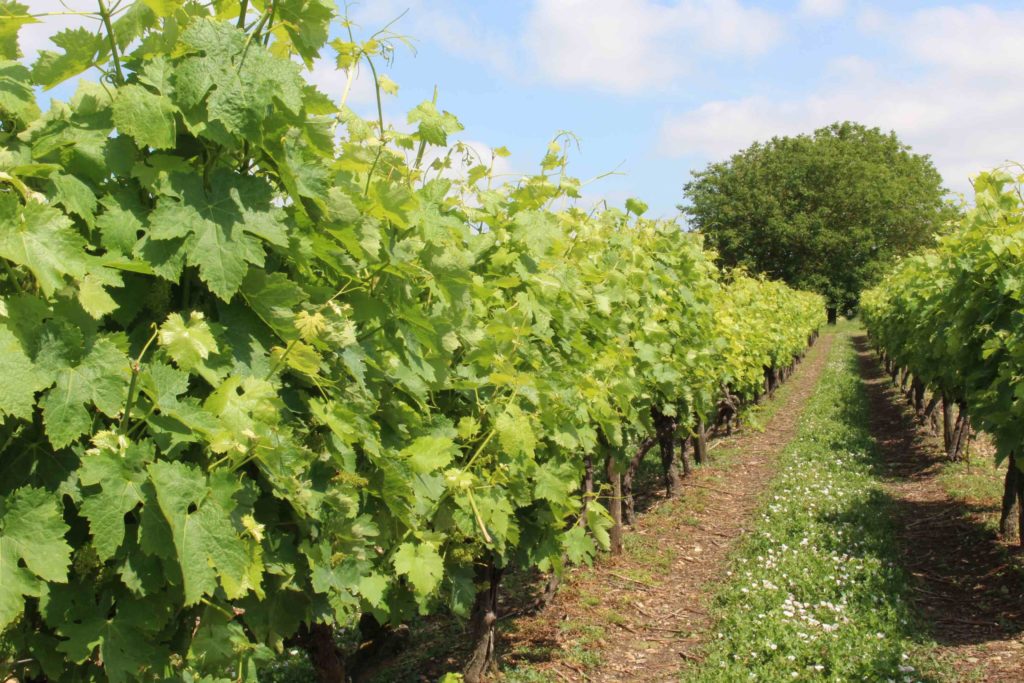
x=823 y=212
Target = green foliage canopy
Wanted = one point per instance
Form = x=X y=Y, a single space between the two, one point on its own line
x=824 y=212
x=954 y=314
x=265 y=368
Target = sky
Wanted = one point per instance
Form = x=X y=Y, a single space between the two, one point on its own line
x=656 y=89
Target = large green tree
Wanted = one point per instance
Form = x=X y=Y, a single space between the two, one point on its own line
x=823 y=212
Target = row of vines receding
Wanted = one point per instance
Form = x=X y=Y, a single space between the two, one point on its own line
x=272 y=369
x=950 y=321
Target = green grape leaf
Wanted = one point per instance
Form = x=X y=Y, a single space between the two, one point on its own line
x=554 y=482
x=119 y=226
x=17 y=98
x=43 y=240
x=13 y=15
x=124 y=637
x=93 y=295
x=146 y=117
x=219 y=230
x=515 y=433
x=422 y=564
x=75 y=196
x=579 y=547
x=239 y=82
x=303 y=26
x=636 y=207
x=434 y=126
x=205 y=540
x=120 y=479
x=99 y=379
x=372 y=588
x=430 y=453
x=22 y=378
x=32 y=531
x=81 y=49
x=164 y=8
x=188 y=344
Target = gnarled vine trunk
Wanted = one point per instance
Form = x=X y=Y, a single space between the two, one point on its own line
x=318 y=642
x=483 y=659
x=627 y=479
x=947 y=423
x=961 y=434
x=665 y=429
x=1013 y=492
x=614 y=504
x=700 y=444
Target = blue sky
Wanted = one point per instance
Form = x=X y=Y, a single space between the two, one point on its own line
x=654 y=89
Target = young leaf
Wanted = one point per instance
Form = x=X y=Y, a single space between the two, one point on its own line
x=187 y=343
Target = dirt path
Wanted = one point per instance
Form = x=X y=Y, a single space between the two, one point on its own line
x=644 y=615
x=967 y=584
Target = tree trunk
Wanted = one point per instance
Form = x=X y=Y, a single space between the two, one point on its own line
x=665 y=428
x=684 y=459
x=700 y=444
x=928 y=416
x=947 y=423
x=614 y=505
x=482 y=659
x=1013 y=493
x=917 y=386
x=833 y=315
x=961 y=434
x=627 y=479
x=318 y=640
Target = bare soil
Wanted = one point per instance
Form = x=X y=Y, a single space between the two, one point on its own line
x=644 y=615
x=967 y=583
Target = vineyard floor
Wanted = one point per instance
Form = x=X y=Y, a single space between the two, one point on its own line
x=966 y=583
x=642 y=616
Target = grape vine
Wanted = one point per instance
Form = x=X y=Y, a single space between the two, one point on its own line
x=267 y=371
x=951 y=318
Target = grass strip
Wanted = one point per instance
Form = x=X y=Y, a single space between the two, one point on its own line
x=815 y=592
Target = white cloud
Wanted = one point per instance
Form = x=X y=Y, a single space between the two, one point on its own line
x=438 y=21
x=827 y=9
x=963 y=103
x=969 y=39
x=630 y=45
x=872 y=20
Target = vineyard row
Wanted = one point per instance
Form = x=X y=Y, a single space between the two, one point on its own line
x=269 y=372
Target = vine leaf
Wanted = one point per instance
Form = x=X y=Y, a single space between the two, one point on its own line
x=43 y=240
x=218 y=231
x=22 y=378
x=422 y=564
x=32 y=532
x=13 y=15
x=188 y=344
x=100 y=379
x=430 y=453
x=147 y=117
x=205 y=540
x=81 y=48
x=120 y=481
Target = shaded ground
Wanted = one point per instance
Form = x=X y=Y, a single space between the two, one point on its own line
x=642 y=616
x=967 y=583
